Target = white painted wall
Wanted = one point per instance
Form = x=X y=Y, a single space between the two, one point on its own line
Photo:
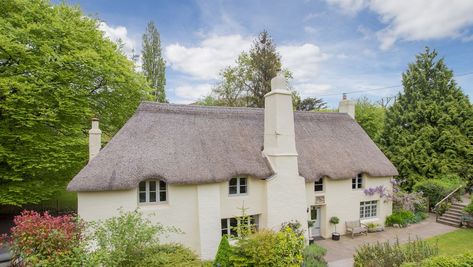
x=209 y=219
x=344 y=202
x=180 y=210
x=254 y=200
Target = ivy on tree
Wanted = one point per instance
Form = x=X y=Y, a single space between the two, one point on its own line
x=429 y=129
x=57 y=71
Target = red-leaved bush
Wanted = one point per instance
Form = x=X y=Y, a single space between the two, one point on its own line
x=42 y=239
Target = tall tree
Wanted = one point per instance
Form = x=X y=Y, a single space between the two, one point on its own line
x=429 y=129
x=370 y=116
x=57 y=71
x=264 y=62
x=246 y=83
x=154 y=66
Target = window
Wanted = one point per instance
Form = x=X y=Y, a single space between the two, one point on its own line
x=152 y=192
x=368 y=209
x=238 y=186
x=229 y=225
x=319 y=185
x=357 y=182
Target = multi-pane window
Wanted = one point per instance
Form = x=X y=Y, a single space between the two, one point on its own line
x=152 y=192
x=368 y=209
x=229 y=225
x=319 y=185
x=357 y=182
x=238 y=185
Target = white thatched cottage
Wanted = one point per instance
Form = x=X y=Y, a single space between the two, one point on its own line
x=196 y=166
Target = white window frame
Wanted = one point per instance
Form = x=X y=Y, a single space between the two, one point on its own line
x=368 y=209
x=238 y=186
x=357 y=182
x=157 y=190
x=319 y=183
x=254 y=219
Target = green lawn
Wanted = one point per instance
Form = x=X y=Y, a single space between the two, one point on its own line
x=456 y=242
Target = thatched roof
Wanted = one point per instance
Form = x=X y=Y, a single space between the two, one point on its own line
x=184 y=144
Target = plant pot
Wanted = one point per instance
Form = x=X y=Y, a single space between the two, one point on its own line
x=336 y=236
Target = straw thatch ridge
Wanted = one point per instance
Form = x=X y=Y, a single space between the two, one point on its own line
x=184 y=144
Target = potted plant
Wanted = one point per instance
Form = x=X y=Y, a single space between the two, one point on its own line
x=335 y=220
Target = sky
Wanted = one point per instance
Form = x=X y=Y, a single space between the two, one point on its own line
x=360 y=47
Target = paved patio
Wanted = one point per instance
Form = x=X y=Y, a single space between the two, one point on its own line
x=340 y=253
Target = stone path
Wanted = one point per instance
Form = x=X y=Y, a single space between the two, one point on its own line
x=340 y=253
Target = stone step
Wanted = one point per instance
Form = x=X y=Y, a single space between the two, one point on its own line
x=456 y=210
x=449 y=222
x=458 y=204
x=451 y=216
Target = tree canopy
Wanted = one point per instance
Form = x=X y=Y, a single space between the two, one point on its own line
x=154 y=66
x=429 y=129
x=246 y=83
x=370 y=116
x=57 y=71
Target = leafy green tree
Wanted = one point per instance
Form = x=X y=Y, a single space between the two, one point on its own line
x=429 y=129
x=154 y=66
x=224 y=252
x=57 y=71
x=246 y=83
x=264 y=62
x=311 y=104
x=370 y=116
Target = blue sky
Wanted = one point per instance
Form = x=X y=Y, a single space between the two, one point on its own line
x=331 y=46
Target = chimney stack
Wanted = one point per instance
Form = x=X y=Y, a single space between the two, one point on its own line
x=285 y=189
x=347 y=106
x=95 y=136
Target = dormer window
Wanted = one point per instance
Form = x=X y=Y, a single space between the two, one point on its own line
x=238 y=186
x=152 y=192
x=357 y=182
x=319 y=185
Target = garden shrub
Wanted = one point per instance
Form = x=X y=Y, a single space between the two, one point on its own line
x=269 y=248
x=224 y=251
x=436 y=189
x=295 y=226
x=442 y=208
x=169 y=255
x=45 y=240
x=469 y=207
x=393 y=255
x=126 y=240
x=314 y=256
x=464 y=260
x=412 y=201
x=402 y=218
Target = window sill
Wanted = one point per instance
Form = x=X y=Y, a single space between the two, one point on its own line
x=238 y=195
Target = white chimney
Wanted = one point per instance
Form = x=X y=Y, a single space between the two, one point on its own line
x=279 y=137
x=95 y=136
x=285 y=189
x=347 y=106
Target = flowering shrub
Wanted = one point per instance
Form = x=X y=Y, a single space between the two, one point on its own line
x=381 y=190
x=45 y=240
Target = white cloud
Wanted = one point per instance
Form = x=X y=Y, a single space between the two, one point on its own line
x=188 y=93
x=205 y=60
x=310 y=30
x=349 y=6
x=415 y=19
x=201 y=64
x=302 y=60
x=120 y=33
x=312 y=89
